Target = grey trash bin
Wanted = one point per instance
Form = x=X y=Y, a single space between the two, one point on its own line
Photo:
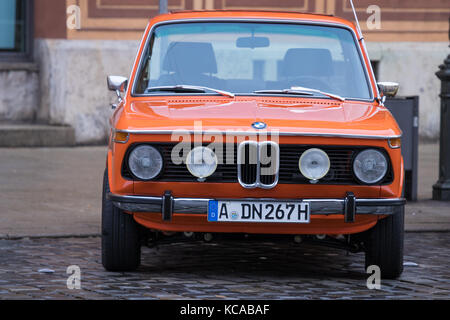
x=406 y=111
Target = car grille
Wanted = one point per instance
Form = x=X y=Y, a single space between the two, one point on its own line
x=257 y=164
x=341 y=159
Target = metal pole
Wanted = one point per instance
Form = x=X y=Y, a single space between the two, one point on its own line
x=441 y=190
x=356 y=20
x=363 y=42
x=163 y=7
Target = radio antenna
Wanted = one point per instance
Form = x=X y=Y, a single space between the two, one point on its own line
x=361 y=39
x=358 y=27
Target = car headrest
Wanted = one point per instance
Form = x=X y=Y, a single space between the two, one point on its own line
x=307 y=62
x=195 y=57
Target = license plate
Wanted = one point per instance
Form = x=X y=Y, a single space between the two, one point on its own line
x=258 y=211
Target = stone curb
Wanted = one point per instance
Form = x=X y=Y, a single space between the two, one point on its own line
x=97 y=235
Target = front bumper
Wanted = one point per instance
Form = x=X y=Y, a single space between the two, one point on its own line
x=167 y=205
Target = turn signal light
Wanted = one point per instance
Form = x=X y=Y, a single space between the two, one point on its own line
x=395 y=143
x=121 y=137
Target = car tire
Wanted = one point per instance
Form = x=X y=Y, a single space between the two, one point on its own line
x=384 y=244
x=121 y=248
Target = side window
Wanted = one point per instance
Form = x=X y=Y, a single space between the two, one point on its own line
x=15 y=29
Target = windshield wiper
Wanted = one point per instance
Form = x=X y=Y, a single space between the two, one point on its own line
x=285 y=91
x=331 y=95
x=301 y=91
x=189 y=88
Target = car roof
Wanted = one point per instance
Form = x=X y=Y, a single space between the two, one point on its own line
x=248 y=11
x=253 y=14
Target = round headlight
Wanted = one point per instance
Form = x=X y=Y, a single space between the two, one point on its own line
x=314 y=164
x=201 y=162
x=370 y=166
x=145 y=162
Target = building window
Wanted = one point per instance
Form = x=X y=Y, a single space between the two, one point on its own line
x=15 y=29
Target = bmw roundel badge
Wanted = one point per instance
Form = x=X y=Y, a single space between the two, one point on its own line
x=259 y=125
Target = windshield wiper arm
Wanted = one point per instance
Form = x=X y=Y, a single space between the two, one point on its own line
x=285 y=91
x=301 y=91
x=331 y=95
x=189 y=88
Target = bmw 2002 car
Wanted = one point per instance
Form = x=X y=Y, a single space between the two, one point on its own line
x=250 y=122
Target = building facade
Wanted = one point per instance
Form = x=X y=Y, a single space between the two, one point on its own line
x=55 y=54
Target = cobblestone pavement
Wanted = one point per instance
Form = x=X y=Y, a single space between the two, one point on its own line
x=224 y=270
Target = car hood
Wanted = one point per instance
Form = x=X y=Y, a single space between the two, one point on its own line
x=296 y=116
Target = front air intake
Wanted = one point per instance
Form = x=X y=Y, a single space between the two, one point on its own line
x=258 y=164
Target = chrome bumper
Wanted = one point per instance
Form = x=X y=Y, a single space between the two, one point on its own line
x=167 y=205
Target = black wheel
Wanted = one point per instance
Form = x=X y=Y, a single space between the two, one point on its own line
x=121 y=248
x=384 y=244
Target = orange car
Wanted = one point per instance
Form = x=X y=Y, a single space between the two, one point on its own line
x=255 y=123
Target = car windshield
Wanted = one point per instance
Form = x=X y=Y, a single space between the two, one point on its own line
x=244 y=57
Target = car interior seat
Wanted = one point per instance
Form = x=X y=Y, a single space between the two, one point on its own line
x=307 y=67
x=190 y=63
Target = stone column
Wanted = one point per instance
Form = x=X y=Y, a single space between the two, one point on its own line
x=441 y=190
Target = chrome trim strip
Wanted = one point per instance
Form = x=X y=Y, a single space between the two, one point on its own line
x=277 y=169
x=376 y=202
x=239 y=163
x=255 y=133
x=143 y=41
x=151 y=204
x=291 y=21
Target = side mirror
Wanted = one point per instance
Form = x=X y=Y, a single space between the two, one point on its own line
x=117 y=83
x=388 y=89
